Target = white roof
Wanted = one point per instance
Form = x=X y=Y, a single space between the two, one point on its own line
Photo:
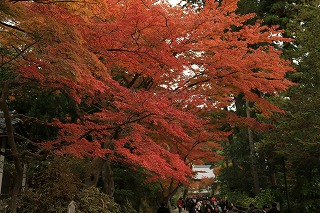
x=203 y=171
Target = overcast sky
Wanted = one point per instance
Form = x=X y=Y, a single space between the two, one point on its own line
x=173 y=2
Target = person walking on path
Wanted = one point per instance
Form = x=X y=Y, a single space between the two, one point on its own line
x=163 y=209
x=273 y=208
x=193 y=208
x=265 y=209
x=180 y=204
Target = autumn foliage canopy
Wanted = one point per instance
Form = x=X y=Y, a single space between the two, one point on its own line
x=143 y=77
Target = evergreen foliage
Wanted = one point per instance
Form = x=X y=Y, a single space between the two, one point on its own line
x=294 y=140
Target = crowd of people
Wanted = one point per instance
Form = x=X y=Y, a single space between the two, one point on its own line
x=205 y=205
x=208 y=205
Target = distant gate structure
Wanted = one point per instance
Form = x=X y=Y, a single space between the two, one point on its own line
x=202 y=172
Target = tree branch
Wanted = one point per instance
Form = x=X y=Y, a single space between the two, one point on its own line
x=19 y=53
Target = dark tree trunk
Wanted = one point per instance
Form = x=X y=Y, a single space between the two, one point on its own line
x=171 y=190
x=94 y=172
x=231 y=142
x=18 y=176
x=272 y=174
x=108 y=178
x=185 y=192
x=254 y=171
x=101 y=168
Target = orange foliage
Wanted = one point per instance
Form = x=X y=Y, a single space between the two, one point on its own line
x=205 y=183
x=152 y=73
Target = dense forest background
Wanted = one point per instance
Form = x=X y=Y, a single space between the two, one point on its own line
x=97 y=109
x=286 y=159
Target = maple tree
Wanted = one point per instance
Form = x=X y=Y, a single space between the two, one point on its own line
x=143 y=77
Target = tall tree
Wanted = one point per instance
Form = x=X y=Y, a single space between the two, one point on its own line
x=297 y=135
x=299 y=19
x=142 y=76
